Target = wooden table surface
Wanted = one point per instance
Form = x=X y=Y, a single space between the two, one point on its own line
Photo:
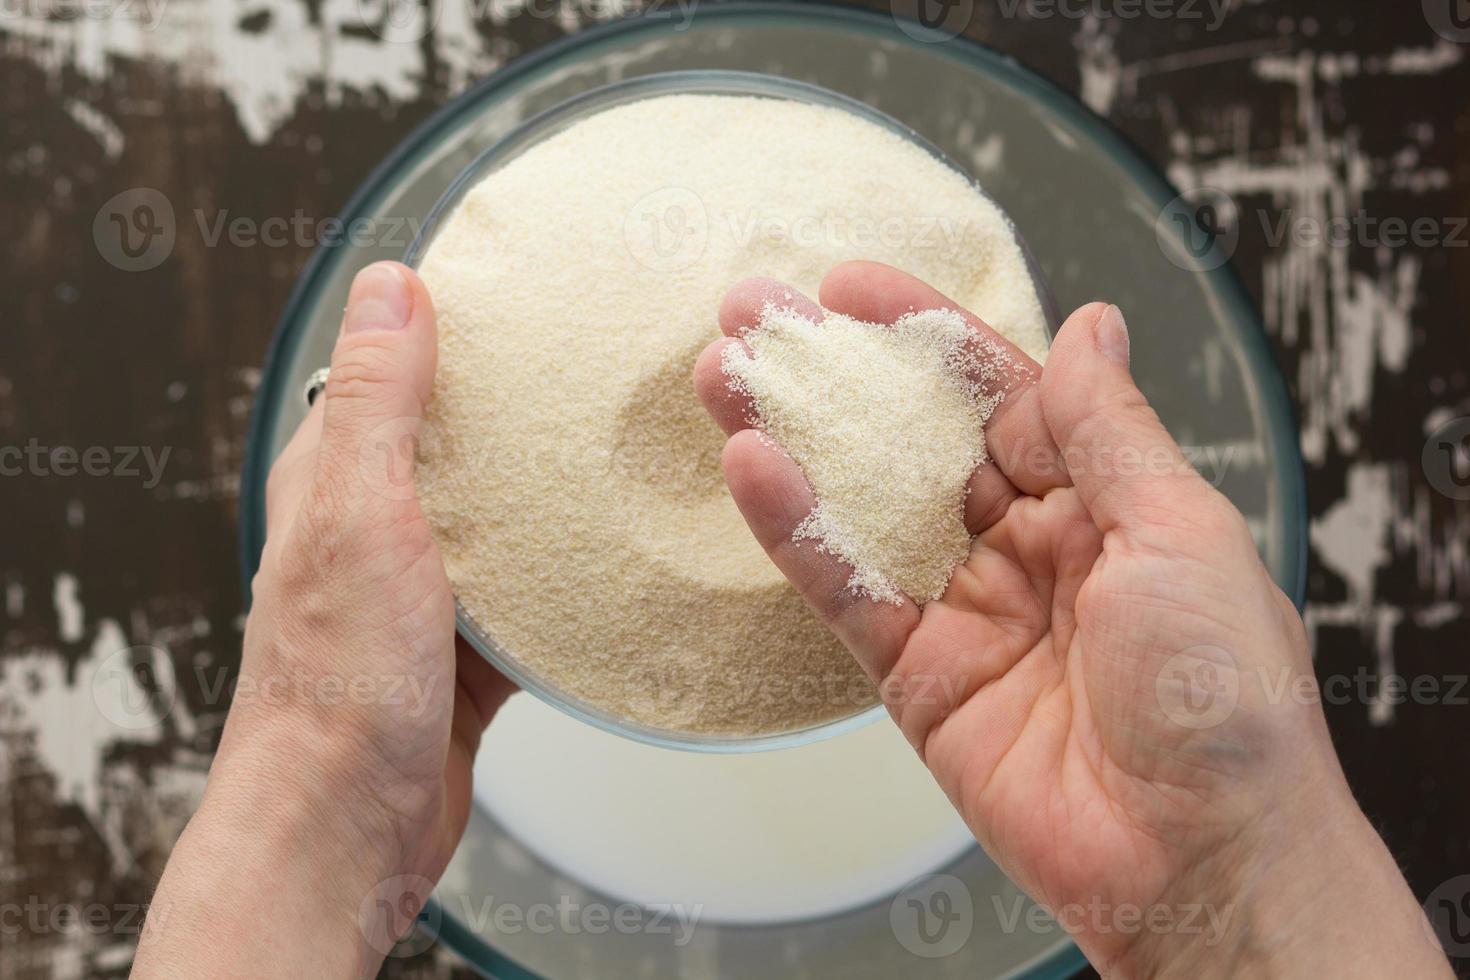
x=1307 y=110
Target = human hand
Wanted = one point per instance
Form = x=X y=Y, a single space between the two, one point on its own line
x=342 y=779
x=1056 y=691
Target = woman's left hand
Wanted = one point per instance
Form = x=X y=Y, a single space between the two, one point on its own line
x=342 y=782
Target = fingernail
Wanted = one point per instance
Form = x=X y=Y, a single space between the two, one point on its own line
x=380 y=300
x=1112 y=336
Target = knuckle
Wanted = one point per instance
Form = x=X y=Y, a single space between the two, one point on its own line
x=1187 y=517
x=359 y=370
x=1106 y=419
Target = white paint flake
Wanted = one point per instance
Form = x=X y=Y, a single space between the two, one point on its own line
x=69 y=612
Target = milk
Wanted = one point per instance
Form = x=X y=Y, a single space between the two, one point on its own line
x=754 y=838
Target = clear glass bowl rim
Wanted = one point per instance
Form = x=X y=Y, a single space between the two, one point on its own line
x=555 y=120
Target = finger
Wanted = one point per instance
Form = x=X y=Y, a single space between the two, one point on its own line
x=290 y=475
x=740 y=311
x=731 y=409
x=990 y=495
x=774 y=497
x=1016 y=434
x=480 y=690
x=743 y=305
x=381 y=375
x=1127 y=468
x=989 y=492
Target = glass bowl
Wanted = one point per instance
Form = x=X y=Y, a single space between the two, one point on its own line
x=1089 y=203
x=542 y=127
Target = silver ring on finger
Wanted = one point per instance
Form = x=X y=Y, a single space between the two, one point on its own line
x=315 y=382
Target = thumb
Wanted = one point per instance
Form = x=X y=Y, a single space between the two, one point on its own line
x=1128 y=469
x=381 y=375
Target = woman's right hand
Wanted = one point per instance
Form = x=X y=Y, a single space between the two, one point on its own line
x=1112 y=691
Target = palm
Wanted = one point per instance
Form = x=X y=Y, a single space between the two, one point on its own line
x=424 y=764
x=1047 y=756
x=404 y=638
x=426 y=768
x=1041 y=689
